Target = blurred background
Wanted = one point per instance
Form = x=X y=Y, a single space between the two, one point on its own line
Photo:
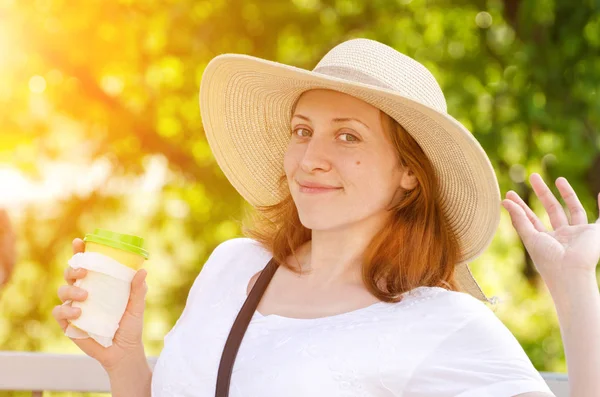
x=100 y=127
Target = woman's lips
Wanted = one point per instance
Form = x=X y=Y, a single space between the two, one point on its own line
x=304 y=189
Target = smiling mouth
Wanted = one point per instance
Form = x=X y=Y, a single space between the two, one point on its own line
x=304 y=189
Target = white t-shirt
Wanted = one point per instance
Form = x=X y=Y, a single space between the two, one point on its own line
x=434 y=343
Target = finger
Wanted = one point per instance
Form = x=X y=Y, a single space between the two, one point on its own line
x=71 y=275
x=578 y=214
x=78 y=246
x=553 y=207
x=535 y=221
x=69 y=292
x=137 y=297
x=64 y=313
x=520 y=221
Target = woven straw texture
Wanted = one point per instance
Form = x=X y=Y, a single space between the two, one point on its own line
x=246 y=106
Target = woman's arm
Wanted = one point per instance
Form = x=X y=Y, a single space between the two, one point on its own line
x=577 y=302
x=566 y=258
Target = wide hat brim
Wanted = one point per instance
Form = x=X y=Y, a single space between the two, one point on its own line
x=246 y=107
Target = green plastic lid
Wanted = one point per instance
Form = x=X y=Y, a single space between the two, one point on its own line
x=125 y=242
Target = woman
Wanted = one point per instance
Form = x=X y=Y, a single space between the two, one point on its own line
x=373 y=200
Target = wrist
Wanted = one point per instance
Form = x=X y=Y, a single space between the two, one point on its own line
x=573 y=287
x=135 y=361
x=132 y=377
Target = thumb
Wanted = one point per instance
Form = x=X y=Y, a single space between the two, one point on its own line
x=137 y=296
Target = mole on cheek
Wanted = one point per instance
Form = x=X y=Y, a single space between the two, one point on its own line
x=358 y=163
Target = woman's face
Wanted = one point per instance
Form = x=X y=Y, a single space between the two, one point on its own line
x=338 y=140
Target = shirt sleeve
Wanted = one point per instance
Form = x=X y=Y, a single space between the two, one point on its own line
x=208 y=275
x=481 y=359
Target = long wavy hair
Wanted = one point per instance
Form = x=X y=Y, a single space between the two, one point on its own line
x=415 y=247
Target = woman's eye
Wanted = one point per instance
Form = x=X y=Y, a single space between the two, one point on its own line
x=352 y=139
x=299 y=129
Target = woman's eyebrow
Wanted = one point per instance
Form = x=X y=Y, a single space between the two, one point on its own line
x=342 y=119
x=336 y=120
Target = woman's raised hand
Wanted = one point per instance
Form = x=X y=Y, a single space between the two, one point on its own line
x=572 y=248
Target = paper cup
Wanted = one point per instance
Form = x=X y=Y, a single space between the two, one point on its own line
x=107 y=282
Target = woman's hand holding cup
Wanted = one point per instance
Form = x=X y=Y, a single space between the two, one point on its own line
x=127 y=343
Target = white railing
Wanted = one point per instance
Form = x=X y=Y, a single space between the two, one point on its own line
x=39 y=372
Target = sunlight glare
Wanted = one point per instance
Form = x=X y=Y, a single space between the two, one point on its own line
x=37 y=84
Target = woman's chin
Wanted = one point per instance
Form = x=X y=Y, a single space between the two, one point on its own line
x=318 y=221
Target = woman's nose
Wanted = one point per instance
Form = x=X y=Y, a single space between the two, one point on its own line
x=316 y=155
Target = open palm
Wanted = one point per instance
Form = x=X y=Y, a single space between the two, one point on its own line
x=571 y=246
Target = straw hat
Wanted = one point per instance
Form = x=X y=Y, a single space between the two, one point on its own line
x=246 y=106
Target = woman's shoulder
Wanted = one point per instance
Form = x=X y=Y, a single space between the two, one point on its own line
x=444 y=299
x=472 y=351
x=443 y=306
x=231 y=259
x=237 y=247
x=439 y=314
x=236 y=252
x=462 y=314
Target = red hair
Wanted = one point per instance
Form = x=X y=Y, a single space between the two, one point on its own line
x=415 y=247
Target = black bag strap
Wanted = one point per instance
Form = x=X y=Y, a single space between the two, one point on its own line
x=239 y=327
